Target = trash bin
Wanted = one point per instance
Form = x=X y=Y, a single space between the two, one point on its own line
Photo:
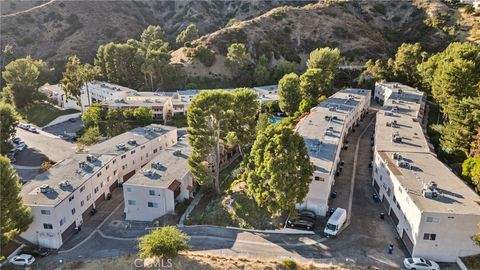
x=390 y=249
x=375 y=198
x=382 y=215
x=333 y=195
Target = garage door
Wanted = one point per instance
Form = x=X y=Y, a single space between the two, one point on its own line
x=99 y=200
x=394 y=217
x=128 y=175
x=114 y=186
x=408 y=242
x=86 y=214
x=376 y=186
x=68 y=232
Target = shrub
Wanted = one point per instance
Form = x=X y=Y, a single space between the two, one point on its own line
x=380 y=8
x=469 y=9
x=166 y=241
x=289 y=264
x=46 y=165
x=206 y=56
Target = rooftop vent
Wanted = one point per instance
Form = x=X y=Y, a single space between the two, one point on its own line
x=334 y=118
x=396 y=137
x=326 y=118
x=44 y=188
x=397 y=156
x=177 y=152
x=149 y=173
x=403 y=164
x=157 y=165
x=132 y=142
x=82 y=164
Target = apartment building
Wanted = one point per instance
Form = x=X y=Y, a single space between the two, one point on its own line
x=63 y=197
x=93 y=92
x=160 y=185
x=435 y=213
x=324 y=131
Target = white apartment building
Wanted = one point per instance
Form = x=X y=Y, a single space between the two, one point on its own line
x=324 y=131
x=97 y=92
x=62 y=197
x=435 y=213
x=163 y=182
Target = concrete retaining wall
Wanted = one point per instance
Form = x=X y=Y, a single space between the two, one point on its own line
x=461 y=264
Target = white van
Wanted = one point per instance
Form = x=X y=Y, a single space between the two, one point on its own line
x=335 y=222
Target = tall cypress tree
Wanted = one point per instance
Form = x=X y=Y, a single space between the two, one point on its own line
x=15 y=217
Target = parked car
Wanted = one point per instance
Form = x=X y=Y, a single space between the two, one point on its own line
x=17 y=140
x=32 y=129
x=303 y=223
x=306 y=214
x=22 y=259
x=21 y=146
x=37 y=252
x=72 y=120
x=420 y=264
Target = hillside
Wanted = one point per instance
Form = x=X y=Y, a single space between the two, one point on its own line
x=56 y=29
x=361 y=30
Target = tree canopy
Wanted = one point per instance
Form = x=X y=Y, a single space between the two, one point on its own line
x=278 y=170
x=237 y=56
x=15 y=216
x=289 y=93
x=188 y=35
x=163 y=242
x=7 y=126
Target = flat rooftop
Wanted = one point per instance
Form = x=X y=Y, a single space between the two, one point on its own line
x=170 y=165
x=139 y=135
x=454 y=195
x=67 y=170
x=402 y=115
x=136 y=102
x=322 y=128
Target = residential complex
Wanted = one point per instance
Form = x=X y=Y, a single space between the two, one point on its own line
x=324 y=131
x=65 y=195
x=434 y=211
x=163 y=182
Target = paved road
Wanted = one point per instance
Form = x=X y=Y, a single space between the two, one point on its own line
x=45 y=144
x=64 y=127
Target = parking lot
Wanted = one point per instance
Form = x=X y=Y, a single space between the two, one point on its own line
x=65 y=129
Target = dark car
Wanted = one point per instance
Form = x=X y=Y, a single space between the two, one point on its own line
x=36 y=251
x=301 y=223
x=306 y=214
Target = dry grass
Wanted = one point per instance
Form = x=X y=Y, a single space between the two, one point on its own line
x=196 y=261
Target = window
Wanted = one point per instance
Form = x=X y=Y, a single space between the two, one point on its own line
x=62 y=221
x=123 y=156
x=115 y=172
x=71 y=198
x=82 y=188
x=45 y=212
x=132 y=152
x=129 y=189
x=318 y=178
x=394 y=199
x=99 y=174
x=155 y=150
x=131 y=202
x=108 y=178
x=73 y=211
x=101 y=184
x=47 y=226
x=124 y=167
x=133 y=162
x=429 y=236
x=106 y=167
x=433 y=220
x=113 y=162
x=89 y=196
x=151 y=192
x=95 y=190
x=143 y=146
x=376 y=170
x=152 y=205
x=82 y=203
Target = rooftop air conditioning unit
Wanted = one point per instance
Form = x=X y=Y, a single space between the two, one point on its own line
x=121 y=146
x=90 y=158
x=132 y=142
x=64 y=184
x=44 y=188
x=81 y=164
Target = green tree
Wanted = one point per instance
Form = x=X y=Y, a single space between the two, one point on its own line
x=188 y=35
x=282 y=68
x=21 y=78
x=163 y=242
x=278 y=171
x=91 y=136
x=143 y=115
x=93 y=116
x=245 y=109
x=208 y=118
x=289 y=93
x=262 y=123
x=471 y=170
x=8 y=123
x=205 y=55
x=75 y=77
x=116 y=122
x=312 y=85
x=237 y=57
x=373 y=71
x=327 y=61
x=404 y=65
x=261 y=71
x=15 y=216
